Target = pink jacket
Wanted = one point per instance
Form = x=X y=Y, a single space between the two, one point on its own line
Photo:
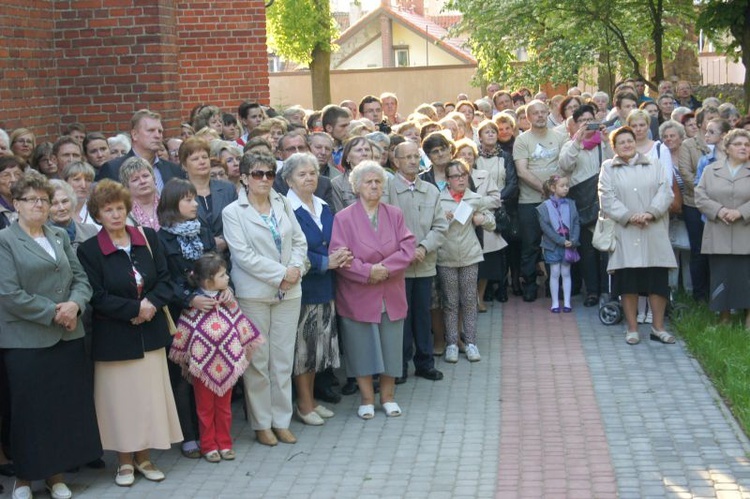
x=392 y=245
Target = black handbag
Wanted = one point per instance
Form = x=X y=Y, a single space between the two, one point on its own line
x=586 y=197
x=506 y=224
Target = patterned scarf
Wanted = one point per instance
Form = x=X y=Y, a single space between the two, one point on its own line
x=498 y=151
x=188 y=236
x=215 y=346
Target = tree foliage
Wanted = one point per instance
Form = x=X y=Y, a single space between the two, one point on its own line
x=727 y=23
x=303 y=31
x=561 y=37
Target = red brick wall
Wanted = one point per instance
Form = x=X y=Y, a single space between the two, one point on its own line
x=97 y=61
x=222 y=53
x=27 y=71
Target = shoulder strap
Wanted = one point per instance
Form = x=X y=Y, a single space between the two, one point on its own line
x=148 y=245
x=599 y=148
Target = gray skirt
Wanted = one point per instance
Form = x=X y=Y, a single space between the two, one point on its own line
x=730 y=275
x=317 y=345
x=372 y=348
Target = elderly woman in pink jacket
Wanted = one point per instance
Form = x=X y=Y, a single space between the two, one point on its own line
x=371 y=294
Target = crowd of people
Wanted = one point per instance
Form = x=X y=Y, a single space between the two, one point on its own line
x=151 y=278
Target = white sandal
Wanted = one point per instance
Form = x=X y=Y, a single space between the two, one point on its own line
x=632 y=337
x=366 y=411
x=391 y=409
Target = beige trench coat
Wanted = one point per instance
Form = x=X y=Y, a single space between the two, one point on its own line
x=636 y=187
x=718 y=189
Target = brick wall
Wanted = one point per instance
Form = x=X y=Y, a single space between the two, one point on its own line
x=222 y=53
x=97 y=61
x=27 y=71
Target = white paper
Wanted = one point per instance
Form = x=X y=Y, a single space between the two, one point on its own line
x=463 y=212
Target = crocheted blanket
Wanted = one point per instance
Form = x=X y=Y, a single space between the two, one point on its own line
x=214 y=346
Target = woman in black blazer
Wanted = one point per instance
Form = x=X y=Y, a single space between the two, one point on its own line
x=128 y=273
x=212 y=195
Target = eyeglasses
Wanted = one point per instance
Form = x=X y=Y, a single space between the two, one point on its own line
x=23 y=141
x=259 y=174
x=35 y=201
x=458 y=175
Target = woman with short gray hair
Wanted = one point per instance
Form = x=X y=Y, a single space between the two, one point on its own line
x=317 y=345
x=138 y=176
x=371 y=292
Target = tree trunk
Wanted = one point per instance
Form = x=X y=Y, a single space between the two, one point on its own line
x=657 y=36
x=320 y=75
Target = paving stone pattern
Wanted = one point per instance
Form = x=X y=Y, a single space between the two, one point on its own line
x=582 y=415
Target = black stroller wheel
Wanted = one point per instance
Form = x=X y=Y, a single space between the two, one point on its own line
x=610 y=313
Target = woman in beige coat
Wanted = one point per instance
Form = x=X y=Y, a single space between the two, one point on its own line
x=458 y=258
x=636 y=193
x=269 y=256
x=723 y=196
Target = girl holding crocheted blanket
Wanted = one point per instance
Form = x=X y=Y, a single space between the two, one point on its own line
x=213 y=347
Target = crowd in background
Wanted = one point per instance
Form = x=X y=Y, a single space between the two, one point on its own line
x=286 y=244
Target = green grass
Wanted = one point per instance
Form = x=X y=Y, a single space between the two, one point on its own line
x=722 y=350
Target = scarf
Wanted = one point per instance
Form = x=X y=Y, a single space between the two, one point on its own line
x=214 y=346
x=498 y=151
x=591 y=143
x=188 y=236
x=559 y=214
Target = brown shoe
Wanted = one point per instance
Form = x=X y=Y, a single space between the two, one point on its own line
x=285 y=436
x=266 y=437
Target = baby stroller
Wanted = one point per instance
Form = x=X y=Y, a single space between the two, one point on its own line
x=610 y=310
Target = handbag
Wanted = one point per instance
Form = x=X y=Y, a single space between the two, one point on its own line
x=678 y=234
x=171 y=326
x=603 y=238
x=586 y=198
x=571 y=255
x=506 y=224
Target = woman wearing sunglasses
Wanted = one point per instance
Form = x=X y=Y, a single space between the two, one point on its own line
x=268 y=252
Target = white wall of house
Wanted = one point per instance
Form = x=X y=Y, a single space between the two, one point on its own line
x=421 y=51
x=717 y=70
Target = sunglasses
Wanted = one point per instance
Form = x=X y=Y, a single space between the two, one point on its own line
x=259 y=174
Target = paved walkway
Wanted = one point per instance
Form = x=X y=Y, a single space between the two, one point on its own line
x=559 y=406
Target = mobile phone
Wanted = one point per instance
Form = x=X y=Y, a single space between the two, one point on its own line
x=593 y=126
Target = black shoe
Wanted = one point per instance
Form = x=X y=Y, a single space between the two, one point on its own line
x=7 y=469
x=431 y=374
x=401 y=379
x=590 y=301
x=517 y=288
x=502 y=295
x=529 y=294
x=350 y=388
x=96 y=464
x=327 y=394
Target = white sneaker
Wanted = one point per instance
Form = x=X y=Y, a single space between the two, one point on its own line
x=472 y=353
x=451 y=354
x=640 y=318
x=649 y=319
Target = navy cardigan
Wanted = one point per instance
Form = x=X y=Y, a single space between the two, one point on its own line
x=317 y=285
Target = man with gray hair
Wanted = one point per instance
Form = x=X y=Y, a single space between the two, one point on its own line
x=420 y=202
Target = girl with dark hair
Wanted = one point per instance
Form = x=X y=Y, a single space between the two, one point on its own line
x=205 y=346
x=184 y=240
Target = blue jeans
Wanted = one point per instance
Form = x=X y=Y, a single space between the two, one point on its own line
x=699 y=268
x=531 y=238
x=418 y=324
